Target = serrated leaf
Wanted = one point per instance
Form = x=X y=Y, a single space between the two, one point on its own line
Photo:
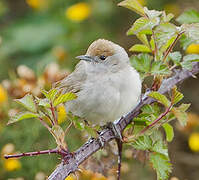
x=188 y=59
x=147 y=109
x=169 y=131
x=180 y=113
x=162 y=165
x=44 y=102
x=190 y=16
x=191 y=57
x=164 y=32
x=63 y=98
x=191 y=31
x=175 y=57
x=160 y=98
x=141 y=63
x=160 y=147
x=22 y=116
x=133 y=5
x=140 y=48
x=142 y=143
x=27 y=102
x=176 y=96
x=143 y=25
x=159 y=68
x=51 y=94
x=152 y=13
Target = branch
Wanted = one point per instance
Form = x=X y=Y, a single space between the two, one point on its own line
x=93 y=145
x=51 y=151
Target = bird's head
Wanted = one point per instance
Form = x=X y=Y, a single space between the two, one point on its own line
x=105 y=52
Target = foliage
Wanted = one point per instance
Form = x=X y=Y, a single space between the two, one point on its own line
x=158 y=36
x=54 y=40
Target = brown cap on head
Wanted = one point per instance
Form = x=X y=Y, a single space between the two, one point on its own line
x=101 y=47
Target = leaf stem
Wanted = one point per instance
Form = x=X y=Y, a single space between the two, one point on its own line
x=49 y=118
x=170 y=48
x=69 y=126
x=157 y=120
x=44 y=124
x=53 y=113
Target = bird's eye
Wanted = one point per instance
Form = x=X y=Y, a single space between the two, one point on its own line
x=102 y=57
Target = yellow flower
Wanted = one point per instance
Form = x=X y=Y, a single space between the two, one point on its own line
x=12 y=164
x=172 y=8
x=78 y=12
x=3 y=95
x=194 y=142
x=69 y=178
x=61 y=114
x=193 y=49
x=36 y=4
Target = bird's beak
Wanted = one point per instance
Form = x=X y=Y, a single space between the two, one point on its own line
x=85 y=58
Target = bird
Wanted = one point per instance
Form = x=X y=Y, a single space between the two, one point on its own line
x=106 y=85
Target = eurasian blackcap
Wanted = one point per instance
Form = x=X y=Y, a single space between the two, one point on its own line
x=106 y=84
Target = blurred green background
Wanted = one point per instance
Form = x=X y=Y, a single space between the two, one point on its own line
x=39 y=40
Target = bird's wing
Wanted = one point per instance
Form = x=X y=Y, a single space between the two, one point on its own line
x=74 y=81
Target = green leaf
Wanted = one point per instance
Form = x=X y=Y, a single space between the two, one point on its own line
x=162 y=165
x=190 y=16
x=140 y=48
x=175 y=57
x=143 y=25
x=78 y=123
x=22 y=116
x=147 y=109
x=142 y=143
x=159 y=68
x=160 y=98
x=63 y=98
x=51 y=94
x=141 y=63
x=44 y=102
x=191 y=31
x=188 y=59
x=159 y=145
x=91 y=131
x=143 y=39
x=27 y=102
x=191 y=57
x=180 y=113
x=133 y=5
x=169 y=131
x=176 y=96
x=164 y=33
x=185 y=42
x=152 y=13
x=167 y=18
x=152 y=43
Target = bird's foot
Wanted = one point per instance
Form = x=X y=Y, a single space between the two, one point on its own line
x=116 y=131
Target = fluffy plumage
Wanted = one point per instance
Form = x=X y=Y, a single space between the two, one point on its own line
x=106 y=89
